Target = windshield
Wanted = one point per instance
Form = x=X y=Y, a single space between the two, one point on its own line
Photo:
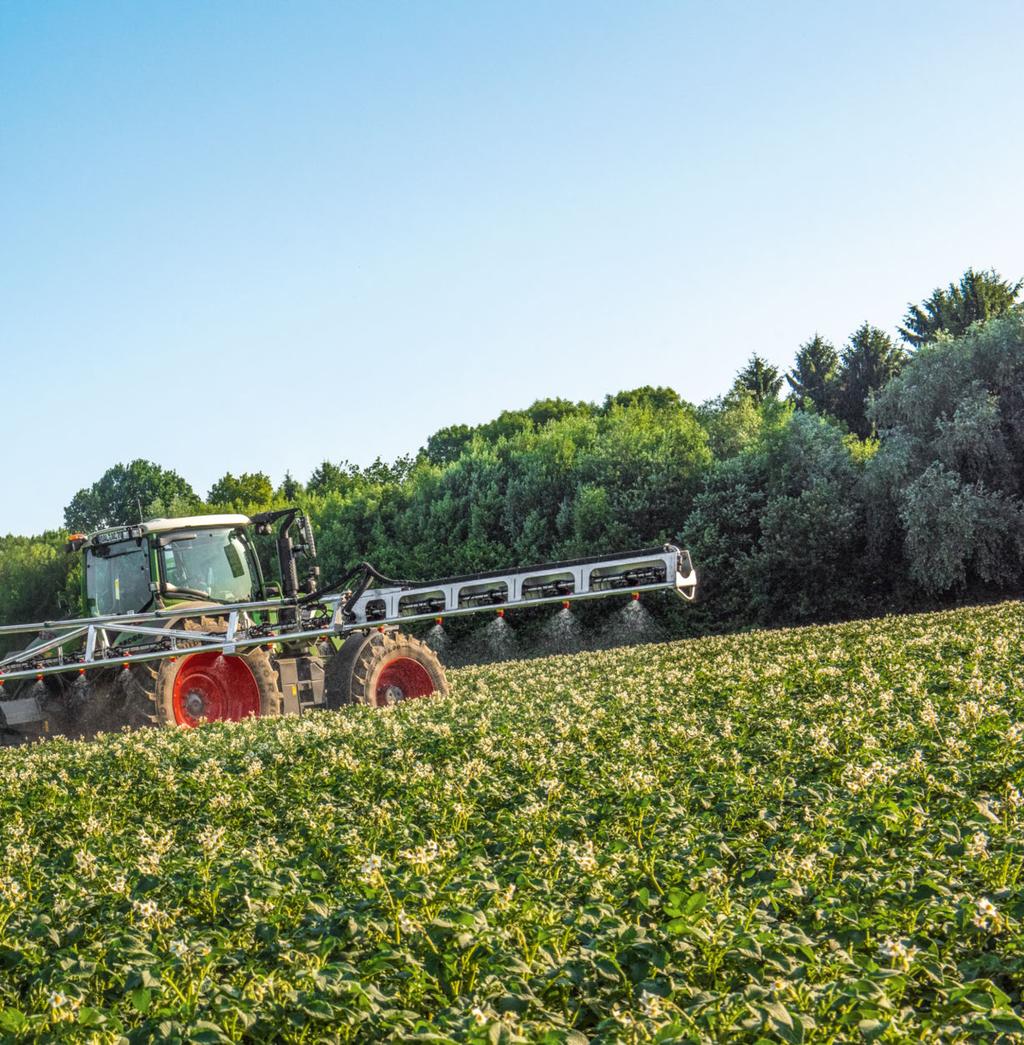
x=117 y=578
x=213 y=563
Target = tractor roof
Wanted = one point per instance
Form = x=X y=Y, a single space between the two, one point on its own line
x=188 y=522
x=194 y=522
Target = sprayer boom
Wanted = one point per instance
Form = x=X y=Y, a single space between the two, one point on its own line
x=653 y=569
x=67 y=646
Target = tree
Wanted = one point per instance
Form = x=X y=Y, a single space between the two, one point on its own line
x=814 y=377
x=734 y=422
x=39 y=580
x=125 y=493
x=654 y=398
x=870 y=360
x=445 y=446
x=329 y=477
x=290 y=488
x=977 y=297
x=248 y=493
x=777 y=529
x=947 y=479
x=759 y=379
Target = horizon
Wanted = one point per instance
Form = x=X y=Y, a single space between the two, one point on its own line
x=251 y=242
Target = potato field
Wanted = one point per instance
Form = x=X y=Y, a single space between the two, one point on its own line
x=800 y=835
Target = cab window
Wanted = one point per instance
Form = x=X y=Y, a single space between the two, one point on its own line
x=214 y=564
x=117 y=578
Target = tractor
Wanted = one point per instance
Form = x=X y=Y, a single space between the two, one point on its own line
x=181 y=626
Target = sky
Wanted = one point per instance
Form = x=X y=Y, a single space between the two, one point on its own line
x=252 y=236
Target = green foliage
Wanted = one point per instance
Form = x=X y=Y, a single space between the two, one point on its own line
x=869 y=361
x=797 y=836
x=248 y=494
x=648 y=397
x=759 y=380
x=289 y=489
x=735 y=422
x=345 y=477
x=777 y=530
x=125 y=491
x=447 y=445
x=814 y=379
x=583 y=482
x=952 y=429
x=38 y=581
x=977 y=297
x=953 y=527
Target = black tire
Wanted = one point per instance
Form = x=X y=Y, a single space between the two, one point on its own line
x=382 y=668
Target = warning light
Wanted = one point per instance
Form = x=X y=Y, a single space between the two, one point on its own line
x=439 y=620
x=501 y=613
x=565 y=604
x=636 y=596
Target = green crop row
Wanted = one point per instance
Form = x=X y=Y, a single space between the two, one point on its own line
x=804 y=835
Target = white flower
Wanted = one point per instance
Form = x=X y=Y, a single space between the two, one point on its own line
x=584 y=856
x=985 y=915
x=370 y=871
x=478 y=1015
x=898 y=953
x=650 y=1005
x=10 y=891
x=211 y=839
x=146 y=909
x=422 y=855
x=977 y=845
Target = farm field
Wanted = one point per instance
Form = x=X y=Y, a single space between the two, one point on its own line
x=804 y=835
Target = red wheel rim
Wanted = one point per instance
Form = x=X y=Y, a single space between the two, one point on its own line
x=213 y=688
x=402 y=679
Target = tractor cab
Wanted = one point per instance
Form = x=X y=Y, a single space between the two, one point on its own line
x=132 y=569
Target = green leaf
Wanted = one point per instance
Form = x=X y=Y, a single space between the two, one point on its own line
x=141 y=997
x=13 y=1020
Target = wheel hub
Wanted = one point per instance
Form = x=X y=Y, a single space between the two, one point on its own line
x=402 y=678
x=391 y=694
x=195 y=704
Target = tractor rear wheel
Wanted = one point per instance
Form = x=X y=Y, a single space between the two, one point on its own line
x=381 y=669
x=212 y=687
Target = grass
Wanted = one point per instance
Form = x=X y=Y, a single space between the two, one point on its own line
x=801 y=835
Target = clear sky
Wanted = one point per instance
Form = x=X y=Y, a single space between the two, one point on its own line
x=251 y=236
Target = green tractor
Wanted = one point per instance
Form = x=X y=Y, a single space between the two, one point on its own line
x=181 y=626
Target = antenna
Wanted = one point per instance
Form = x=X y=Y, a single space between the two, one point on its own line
x=138 y=501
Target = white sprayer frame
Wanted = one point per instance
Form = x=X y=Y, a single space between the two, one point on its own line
x=322 y=618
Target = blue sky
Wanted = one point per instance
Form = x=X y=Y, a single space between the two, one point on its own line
x=242 y=237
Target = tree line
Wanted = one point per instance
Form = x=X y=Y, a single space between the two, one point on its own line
x=882 y=475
